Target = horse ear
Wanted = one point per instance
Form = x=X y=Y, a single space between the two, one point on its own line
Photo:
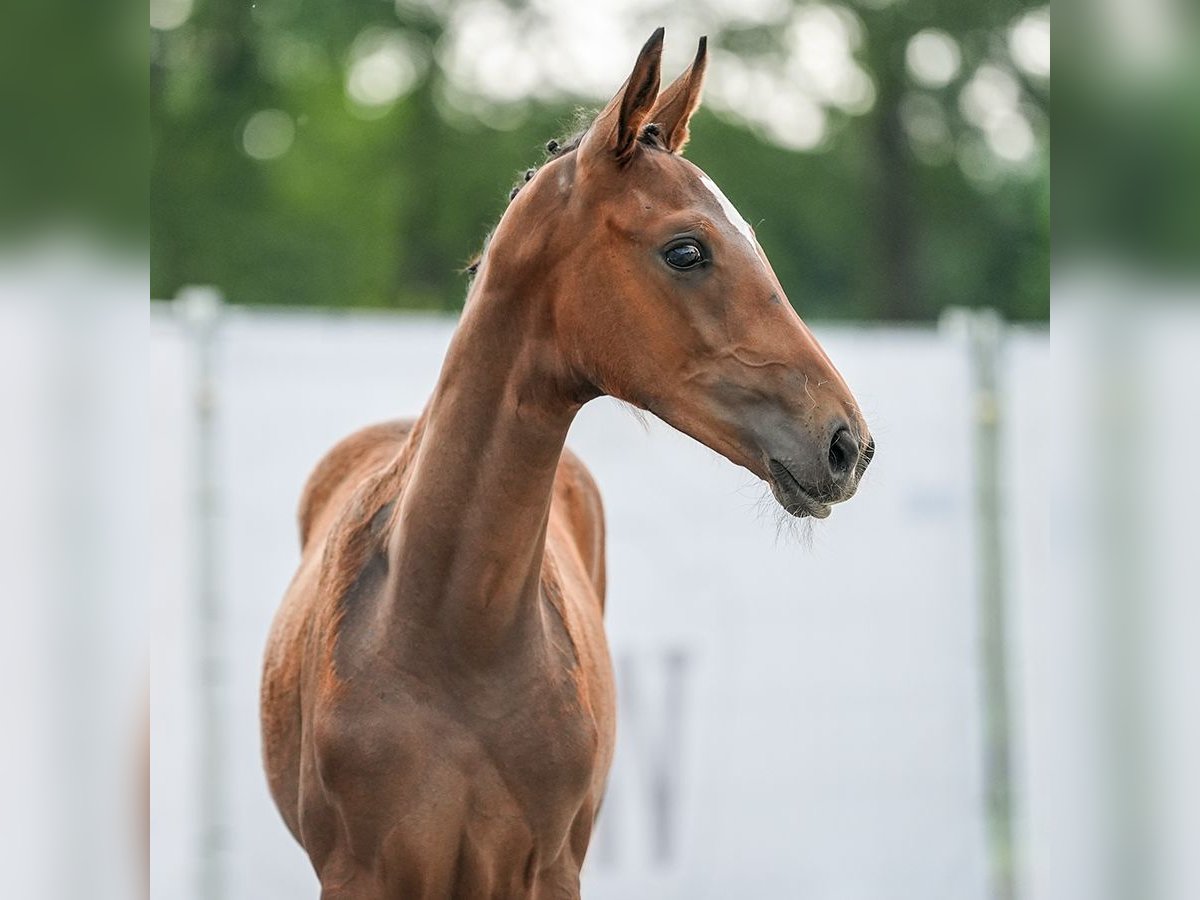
x=616 y=128
x=676 y=104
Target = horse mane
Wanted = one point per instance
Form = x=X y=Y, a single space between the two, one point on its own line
x=651 y=136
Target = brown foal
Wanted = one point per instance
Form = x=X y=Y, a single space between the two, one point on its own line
x=437 y=700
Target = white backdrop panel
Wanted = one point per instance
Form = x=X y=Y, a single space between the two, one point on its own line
x=799 y=718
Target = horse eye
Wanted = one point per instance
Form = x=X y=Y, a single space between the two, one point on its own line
x=684 y=256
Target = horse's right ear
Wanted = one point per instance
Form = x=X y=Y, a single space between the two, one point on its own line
x=677 y=103
x=615 y=130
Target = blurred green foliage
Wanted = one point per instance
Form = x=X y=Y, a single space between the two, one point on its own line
x=384 y=211
x=1130 y=126
x=73 y=149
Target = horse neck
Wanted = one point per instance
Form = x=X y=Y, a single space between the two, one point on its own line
x=466 y=550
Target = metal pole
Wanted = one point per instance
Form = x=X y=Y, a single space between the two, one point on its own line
x=200 y=308
x=983 y=331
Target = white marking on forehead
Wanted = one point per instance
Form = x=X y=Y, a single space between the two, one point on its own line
x=731 y=213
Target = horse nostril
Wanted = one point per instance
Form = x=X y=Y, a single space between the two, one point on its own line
x=843 y=454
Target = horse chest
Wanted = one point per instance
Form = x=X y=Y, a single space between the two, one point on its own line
x=494 y=757
x=542 y=759
x=531 y=731
x=508 y=756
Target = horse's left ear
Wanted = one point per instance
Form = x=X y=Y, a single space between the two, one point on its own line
x=676 y=104
x=616 y=129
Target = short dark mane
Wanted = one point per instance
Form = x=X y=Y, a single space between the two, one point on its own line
x=651 y=136
x=554 y=149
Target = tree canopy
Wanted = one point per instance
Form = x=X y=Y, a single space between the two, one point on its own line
x=892 y=154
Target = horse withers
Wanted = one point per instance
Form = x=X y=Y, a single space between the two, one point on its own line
x=437 y=699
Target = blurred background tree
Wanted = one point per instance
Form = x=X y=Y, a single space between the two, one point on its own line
x=892 y=154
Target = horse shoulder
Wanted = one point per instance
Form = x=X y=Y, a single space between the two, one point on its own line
x=324 y=505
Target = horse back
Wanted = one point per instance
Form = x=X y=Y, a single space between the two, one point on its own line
x=343 y=469
x=578 y=506
x=352 y=460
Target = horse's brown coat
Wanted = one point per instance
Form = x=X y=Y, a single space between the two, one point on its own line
x=437 y=700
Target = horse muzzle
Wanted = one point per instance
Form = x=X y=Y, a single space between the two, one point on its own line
x=810 y=487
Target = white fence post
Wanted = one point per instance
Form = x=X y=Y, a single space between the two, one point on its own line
x=983 y=332
x=200 y=308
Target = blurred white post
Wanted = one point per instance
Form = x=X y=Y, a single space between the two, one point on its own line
x=1125 y=607
x=200 y=309
x=982 y=332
